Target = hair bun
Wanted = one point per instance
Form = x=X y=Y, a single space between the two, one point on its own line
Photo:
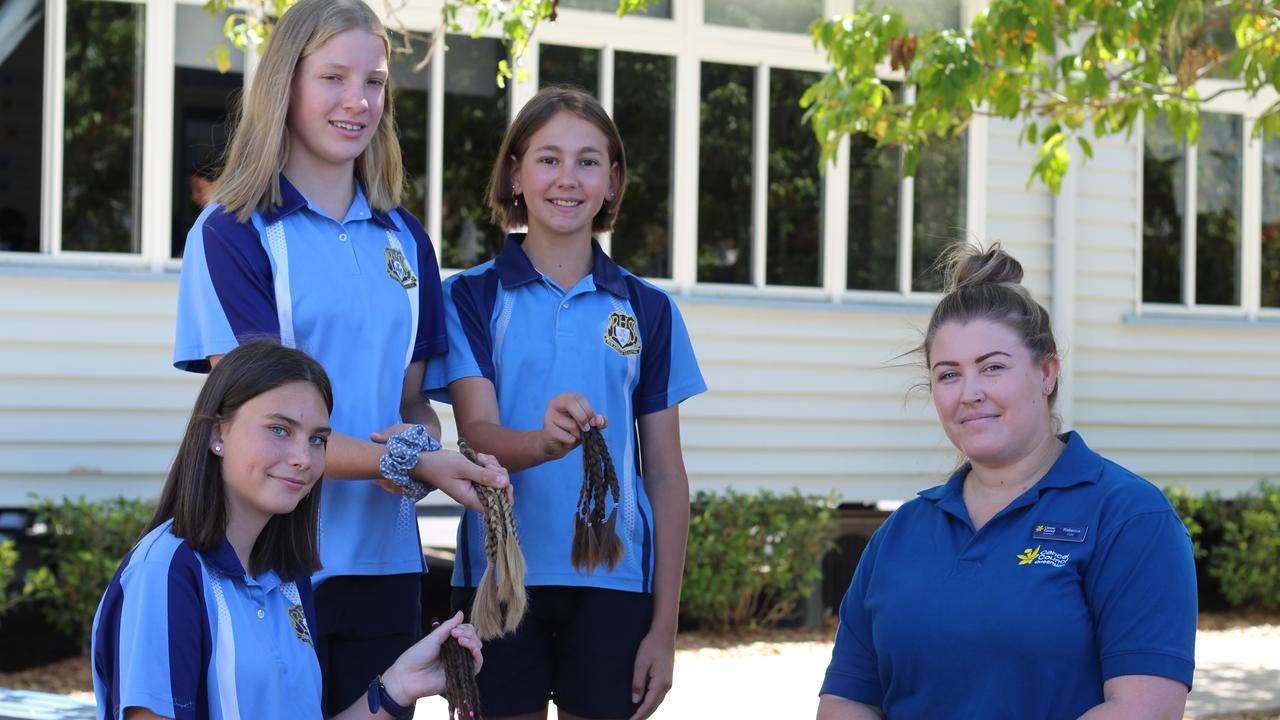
x=968 y=265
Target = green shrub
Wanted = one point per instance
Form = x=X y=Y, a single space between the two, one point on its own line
x=1247 y=561
x=85 y=543
x=752 y=558
x=8 y=563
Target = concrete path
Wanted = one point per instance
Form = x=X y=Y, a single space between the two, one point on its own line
x=1237 y=671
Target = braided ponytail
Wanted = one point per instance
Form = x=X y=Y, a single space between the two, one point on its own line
x=500 y=599
x=460 y=688
x=595 y=537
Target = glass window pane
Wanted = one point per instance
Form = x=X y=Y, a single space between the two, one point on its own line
x=475 y=118
x=645 y=116
x=21 y=124
x=790 y=16
x=657 y=8
x=203 y=100
x=794 y=226
x=874 y=188
x=724 y=175
x=564 y=65
x=1271 y=223
x=1219 y=158
x=1163 y=213
x=924 y=15
x=410 y=92
x=938 y=211
x=102 y=127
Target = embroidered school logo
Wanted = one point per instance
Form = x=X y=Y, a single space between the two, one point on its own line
x=1036 y=556
x=398 y=268
x=621 y=334
x=299 y=620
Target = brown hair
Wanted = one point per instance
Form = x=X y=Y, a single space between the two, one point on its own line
x=260 y=144
x=194 y=493
x=549 y=102
x=987 y=285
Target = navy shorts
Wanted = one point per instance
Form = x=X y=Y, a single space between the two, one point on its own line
x=363 y=623
x=576 y=647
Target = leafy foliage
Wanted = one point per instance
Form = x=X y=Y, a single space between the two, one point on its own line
x=86 y=541
x=516 y=20
x=752 y=558
x=8 y=563
x=1064 y=68
x=1236 y=543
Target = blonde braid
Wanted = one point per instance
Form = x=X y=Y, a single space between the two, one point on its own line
x=499 y=602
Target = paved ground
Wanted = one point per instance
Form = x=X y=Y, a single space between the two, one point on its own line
x=1237 y=671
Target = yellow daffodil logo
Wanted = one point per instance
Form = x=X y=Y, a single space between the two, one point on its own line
x=1028 y=556
x=1039 y=528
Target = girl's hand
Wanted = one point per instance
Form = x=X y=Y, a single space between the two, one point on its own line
x=454 y=474
x=568 y=416
x=419 y=672
x=655 y=667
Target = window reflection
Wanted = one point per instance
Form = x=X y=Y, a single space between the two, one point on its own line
x=1271 y=223
x=203 y=101
x=874 y=191
x=644 y=114
x=724 y=175
x=938 y=212
x=411 y=93
x=791 y=16
x=21 y=124
x=475 y=118
x=794 y=225
x=657 y=8
x=102 y=131
x=564 y=65
x=1218 y=189
x=924 y=15
x=1163 y=213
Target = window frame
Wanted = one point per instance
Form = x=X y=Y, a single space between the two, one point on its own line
x=685 y=37
x=1250 y=278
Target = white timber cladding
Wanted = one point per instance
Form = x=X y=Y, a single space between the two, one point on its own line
x=809 y=386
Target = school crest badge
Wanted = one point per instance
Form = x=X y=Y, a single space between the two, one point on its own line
x=398 y=268
x=621 y=334
x=299 y=620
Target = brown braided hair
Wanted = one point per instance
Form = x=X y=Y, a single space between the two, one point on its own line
x=595 y=536
x=460 y=688
x=499 y=605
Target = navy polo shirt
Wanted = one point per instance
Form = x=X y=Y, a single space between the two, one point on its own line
x=1086 y=576
x=614 y=338
x=192 y=636
x=361 y=295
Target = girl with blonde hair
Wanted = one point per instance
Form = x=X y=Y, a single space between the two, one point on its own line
x=306 y=243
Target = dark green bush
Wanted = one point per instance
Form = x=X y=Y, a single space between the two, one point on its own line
x=1237 y=543
x=85 y=542
x=752 y=557
x=9 y=596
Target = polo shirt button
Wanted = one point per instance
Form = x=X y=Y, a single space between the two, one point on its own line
x=261 y=613
x=565 y=306
x=343 y=237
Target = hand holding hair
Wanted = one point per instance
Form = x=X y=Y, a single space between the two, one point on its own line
x=499 y=603
x=430 y=666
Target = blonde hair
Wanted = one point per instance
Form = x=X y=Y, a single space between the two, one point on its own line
x=260 y=145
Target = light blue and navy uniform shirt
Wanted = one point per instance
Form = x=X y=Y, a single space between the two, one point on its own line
x=190 y=635
x=615 y=339
x=1085 y=577
x=361 y=296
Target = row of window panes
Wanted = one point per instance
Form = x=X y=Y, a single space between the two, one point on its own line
x=1217 y=226
x=102 y=155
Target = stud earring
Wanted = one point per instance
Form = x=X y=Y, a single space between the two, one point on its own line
x=217 y=448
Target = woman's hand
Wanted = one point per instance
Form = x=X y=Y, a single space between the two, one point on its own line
x=568 y=416
x=419 y=672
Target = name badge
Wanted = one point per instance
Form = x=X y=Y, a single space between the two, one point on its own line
x=1062 y=532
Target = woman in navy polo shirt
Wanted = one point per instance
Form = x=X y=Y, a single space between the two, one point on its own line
x=210 y=614
x=1042 y=580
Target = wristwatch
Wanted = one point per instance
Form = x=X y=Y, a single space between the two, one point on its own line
x=380 y=699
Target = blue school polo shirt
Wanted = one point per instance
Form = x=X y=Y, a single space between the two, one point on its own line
x=361 y=296
x=1085 y=577
x=191 y=635
x=615 y=339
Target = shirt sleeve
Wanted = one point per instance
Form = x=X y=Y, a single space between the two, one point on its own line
x=669 y=372
x=162 y=638
x=430 y=339
x=468 y=309
x=226 y=295
x=854 y=670
x=1141 y=590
